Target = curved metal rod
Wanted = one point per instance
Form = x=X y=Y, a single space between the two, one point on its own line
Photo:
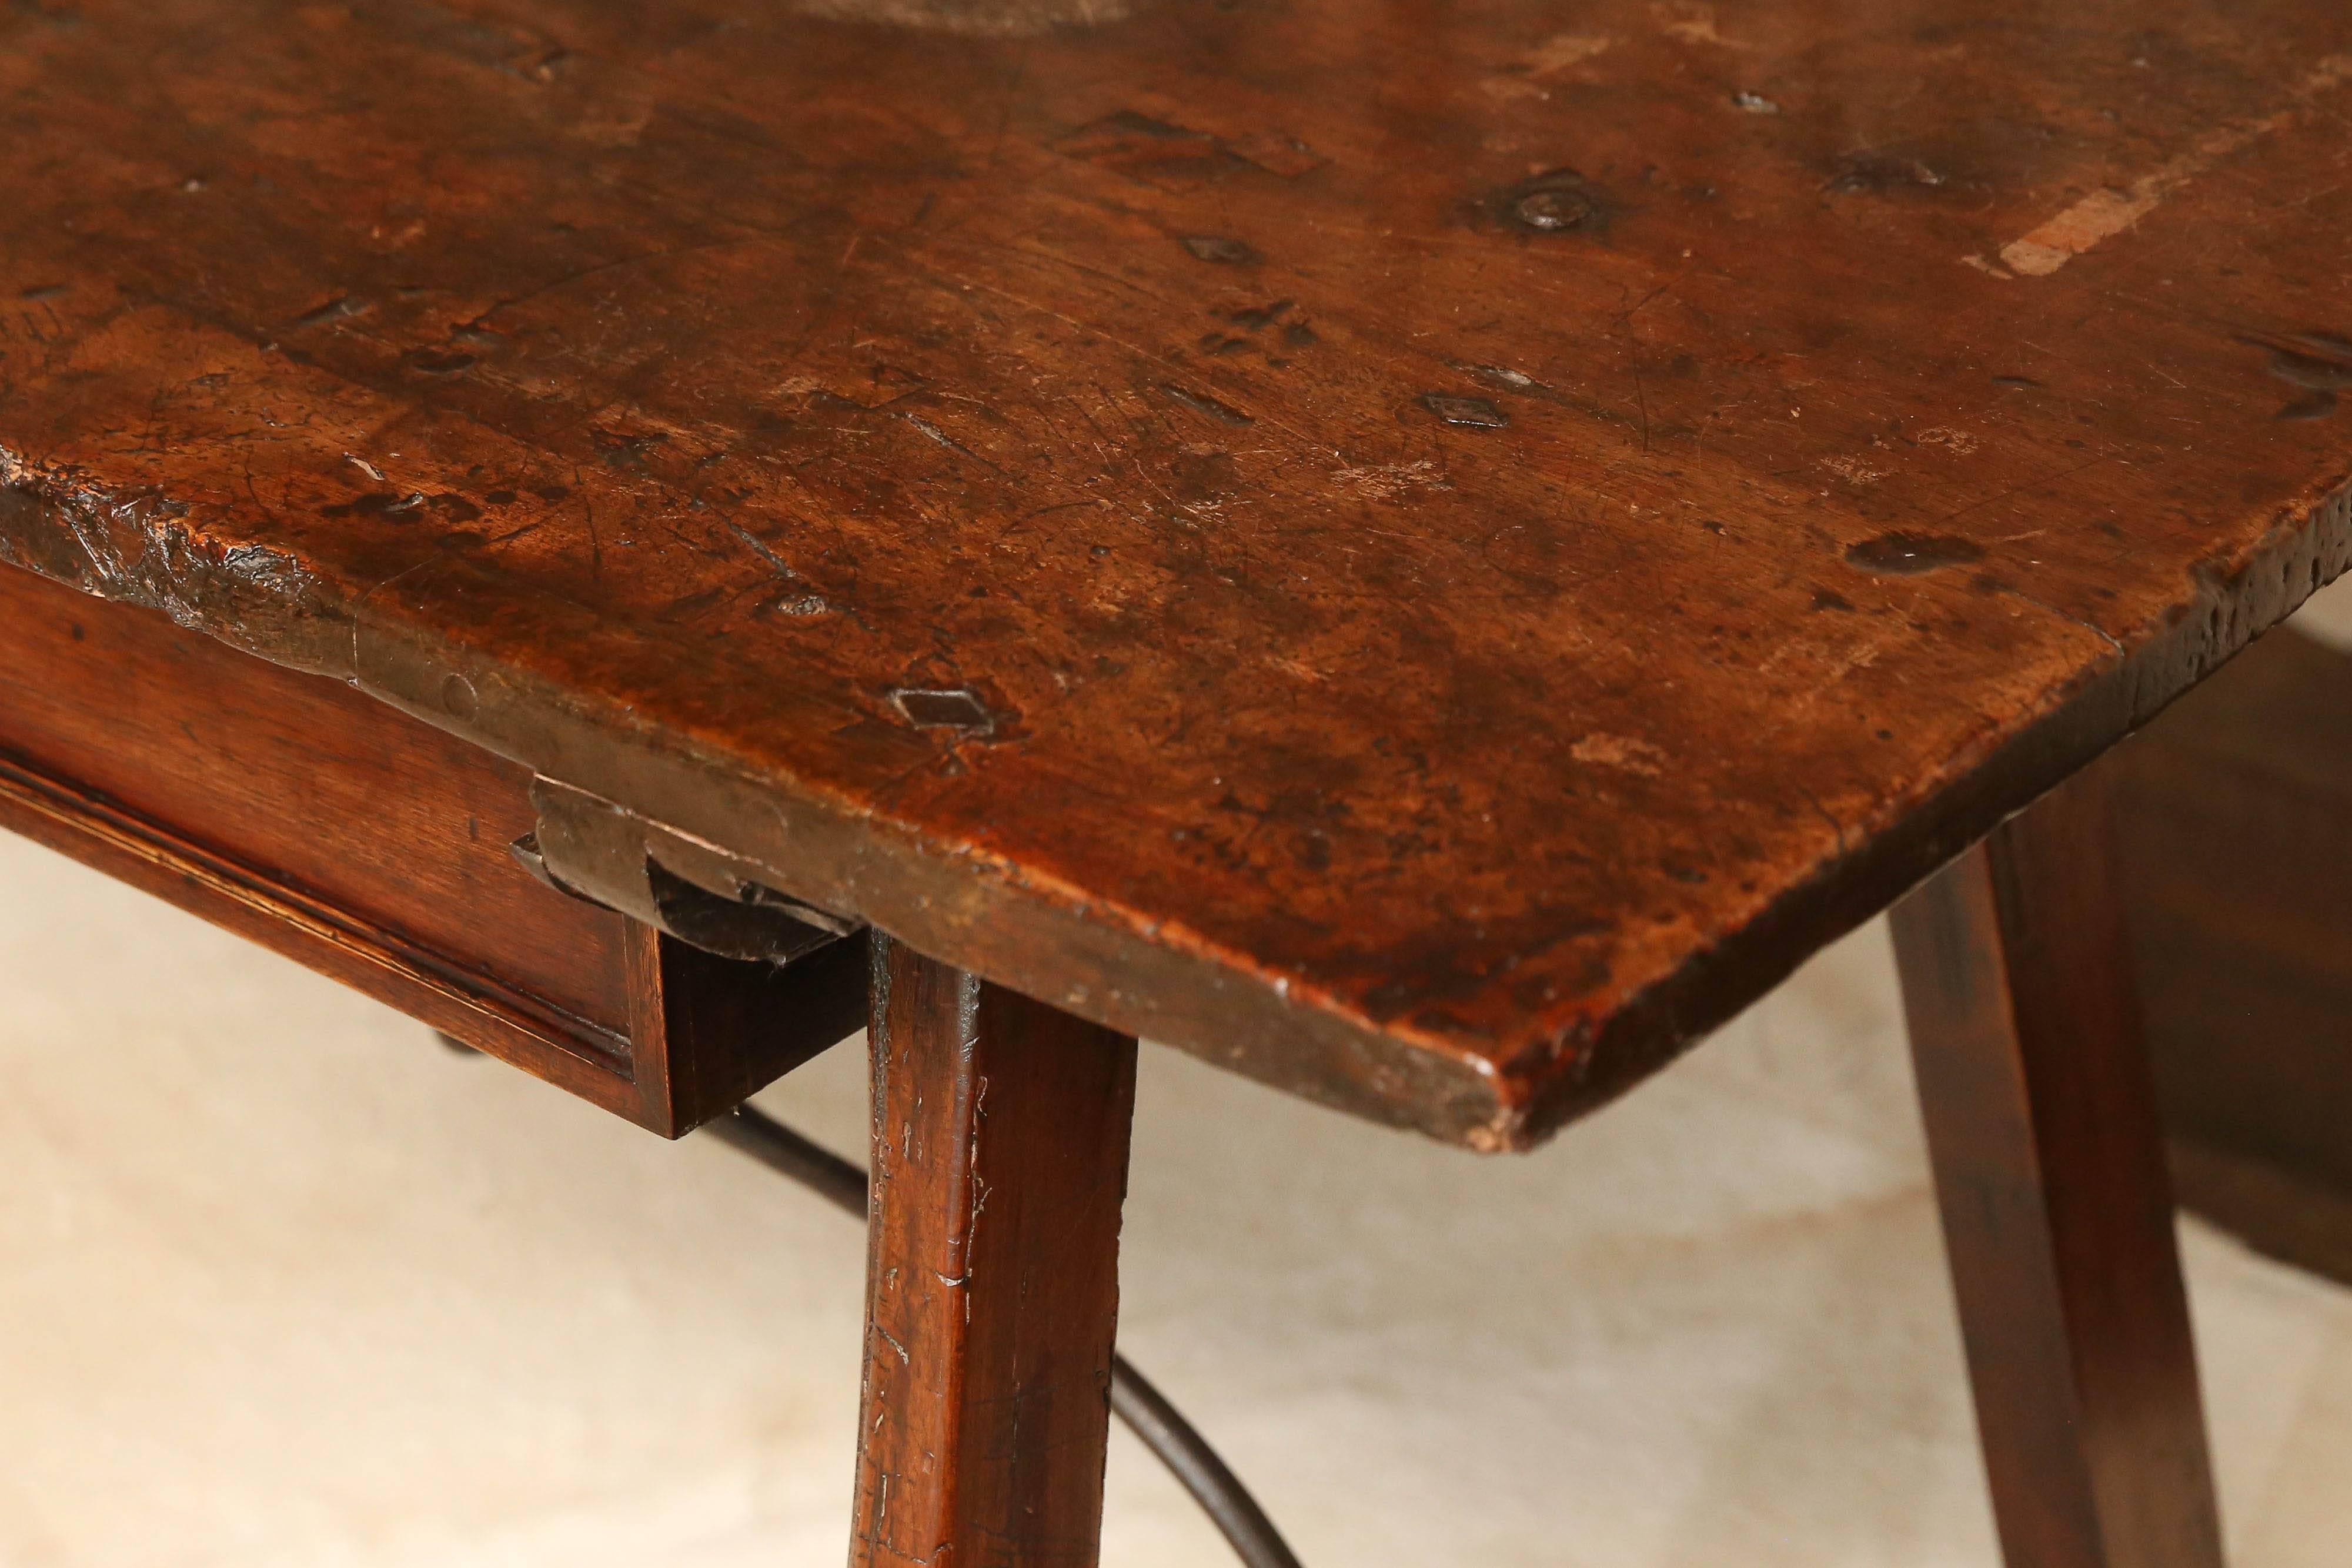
x=1148 y=1414
x=1197 y=1468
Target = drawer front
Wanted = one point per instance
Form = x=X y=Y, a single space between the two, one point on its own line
x=368 y=845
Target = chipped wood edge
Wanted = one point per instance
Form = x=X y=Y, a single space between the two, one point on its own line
x=1162 y=982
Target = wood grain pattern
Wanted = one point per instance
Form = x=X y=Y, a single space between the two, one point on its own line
x=345 y=835
x=305 y=782
x=2050 y=1173
x=1426 y=551
x=998 y=1166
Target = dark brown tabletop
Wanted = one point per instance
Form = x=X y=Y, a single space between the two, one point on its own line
x=1430 y=593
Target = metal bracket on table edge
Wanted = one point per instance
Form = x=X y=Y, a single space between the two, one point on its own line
x=591 y=848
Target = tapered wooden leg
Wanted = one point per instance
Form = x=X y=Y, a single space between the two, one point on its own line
x=2042 y=1126
x=992 y=1292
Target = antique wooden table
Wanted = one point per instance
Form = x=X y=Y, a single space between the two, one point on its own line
x=1425 y=552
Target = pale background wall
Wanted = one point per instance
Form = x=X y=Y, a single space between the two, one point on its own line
x=284 y=1285
x=2328 y=615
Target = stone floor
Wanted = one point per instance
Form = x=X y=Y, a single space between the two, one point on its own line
x=286 y=1284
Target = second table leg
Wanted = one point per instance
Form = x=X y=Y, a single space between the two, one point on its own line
x=2057 y=1209
x=998 y=1166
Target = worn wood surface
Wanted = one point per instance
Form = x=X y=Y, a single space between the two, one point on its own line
x=374 y=849
x=991 y=1294
x=1427 y=551
x=2049 y=1159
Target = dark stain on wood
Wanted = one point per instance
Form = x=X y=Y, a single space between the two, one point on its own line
x=1556 y=201
x=2320 y=363
x=1903 y=554
x=1220 y=249
x=1471 y=412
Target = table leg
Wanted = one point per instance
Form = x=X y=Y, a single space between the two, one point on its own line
x=1000 y=1164
x=2057 y=1210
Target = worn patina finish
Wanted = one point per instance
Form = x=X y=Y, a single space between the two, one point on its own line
x=1426 y=550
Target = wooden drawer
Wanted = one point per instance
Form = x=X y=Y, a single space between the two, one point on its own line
x=375 y=848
